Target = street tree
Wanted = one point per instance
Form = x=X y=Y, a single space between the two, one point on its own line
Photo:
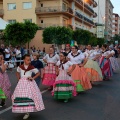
x=82 y=36
x=57 y=35
x=20 y=33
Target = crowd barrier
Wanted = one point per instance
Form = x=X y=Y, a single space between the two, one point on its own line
x=12 y=63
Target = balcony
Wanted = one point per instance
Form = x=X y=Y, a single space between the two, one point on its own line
x=43 y=26
x=94 y=4
x=88 y=9
x=54 y=10
x=80 y=17
x=1 y=12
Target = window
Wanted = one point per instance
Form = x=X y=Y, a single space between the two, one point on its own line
x=41 y=21
x=30 y=20
x=11 y=6
x=64 y=6
x=27 y=5
x=12 y=21
x=41 y=5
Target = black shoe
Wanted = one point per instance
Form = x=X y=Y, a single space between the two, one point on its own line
x=2 y=104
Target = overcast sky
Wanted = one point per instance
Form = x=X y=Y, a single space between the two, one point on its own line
x=116 y=4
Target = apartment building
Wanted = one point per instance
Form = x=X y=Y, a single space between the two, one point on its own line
x=115 y=24
x=105 y=12
x=77 y=14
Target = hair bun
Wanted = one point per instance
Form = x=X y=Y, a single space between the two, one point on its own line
x=64 y=53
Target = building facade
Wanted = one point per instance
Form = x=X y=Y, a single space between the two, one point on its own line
x=115 y=24
x=77 y=14
x=73 y=13
x=105 y=12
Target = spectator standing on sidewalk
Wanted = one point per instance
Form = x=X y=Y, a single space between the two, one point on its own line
x=2 y=50
x=7 y=53
x=18 y=55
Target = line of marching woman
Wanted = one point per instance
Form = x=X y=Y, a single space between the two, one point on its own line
x=67 y=74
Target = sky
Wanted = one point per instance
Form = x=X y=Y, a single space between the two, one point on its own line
x=116 y=4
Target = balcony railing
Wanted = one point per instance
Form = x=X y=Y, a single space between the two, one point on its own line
x=54 y=9
x=79 y=15
x=1 y=12
x=42 y=26
x=86 y=6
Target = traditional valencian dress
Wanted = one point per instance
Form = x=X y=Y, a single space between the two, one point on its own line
x=92 y=67
x=5 y=85
x=64 y=86
x=49 y=75
x=105 y=65
x=79 y=74
x=27 y=97
x=113 y=61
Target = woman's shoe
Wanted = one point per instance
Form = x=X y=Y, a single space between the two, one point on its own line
x=26 y=116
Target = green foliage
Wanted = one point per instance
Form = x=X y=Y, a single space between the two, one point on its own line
x=57 y=35
x=63 y=35
x=93 y=41
x=82 y=36
x=20 y=33
x=116 y=37
x=100 y=41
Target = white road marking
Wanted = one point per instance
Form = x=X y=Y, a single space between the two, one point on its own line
x=5 y=110
x=9 y=108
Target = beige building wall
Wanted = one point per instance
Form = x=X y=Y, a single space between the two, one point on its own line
x=37 y=42
x=19 y=13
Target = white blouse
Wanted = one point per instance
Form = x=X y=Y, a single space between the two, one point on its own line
x=91 y=54
x=105 y=54
x=53 y=59
x=66 y=65
x=28 y=73
x=76 y=59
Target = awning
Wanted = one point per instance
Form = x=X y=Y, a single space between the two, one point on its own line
x=3 y=24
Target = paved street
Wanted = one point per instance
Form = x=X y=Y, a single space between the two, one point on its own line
x=100 y=103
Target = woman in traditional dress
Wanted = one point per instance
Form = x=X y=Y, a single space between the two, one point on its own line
x=79 y=74
x=27 y=97
x=92 y=67
x=105 y=64
x=64 y=87
x=67 y=49
x=5 y=84
x=113 y=60
x=49 y=75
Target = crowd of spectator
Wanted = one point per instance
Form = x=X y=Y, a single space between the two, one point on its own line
x=12 y=54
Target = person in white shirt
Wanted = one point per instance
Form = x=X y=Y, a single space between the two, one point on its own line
x=49 y=75
x=79 y=74
x=18 y=56
x=7 y=54
x=105 y=64
x=113 y=60
x=64 y=83
x=92 y=67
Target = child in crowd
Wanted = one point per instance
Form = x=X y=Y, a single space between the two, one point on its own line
x=64 y=87
x=39 y=65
